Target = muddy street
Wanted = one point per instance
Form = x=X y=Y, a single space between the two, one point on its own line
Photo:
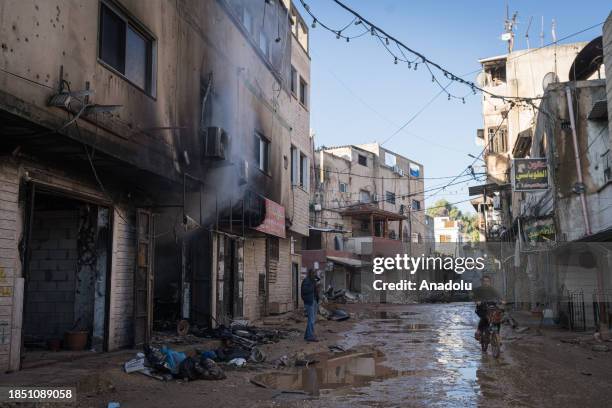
x=426 y=356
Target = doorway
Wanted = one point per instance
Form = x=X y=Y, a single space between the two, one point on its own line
x=66 y=275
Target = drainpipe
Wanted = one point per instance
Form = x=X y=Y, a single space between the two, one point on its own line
x=585 y=215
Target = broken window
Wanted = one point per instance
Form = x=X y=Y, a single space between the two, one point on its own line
x=262 y=152
x=363 y=160
x=416 y=205
x=126 y=47
x=390 y=197
x=495 y=72
x=497 y=139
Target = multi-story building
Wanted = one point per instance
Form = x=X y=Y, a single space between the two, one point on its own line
x=448 y=235
x=368 y=202
x=149 y=166
x=548 y=183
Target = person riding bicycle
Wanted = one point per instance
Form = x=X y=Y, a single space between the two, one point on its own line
x=483 y=296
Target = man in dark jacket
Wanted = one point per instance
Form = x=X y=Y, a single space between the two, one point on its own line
x=310 y=296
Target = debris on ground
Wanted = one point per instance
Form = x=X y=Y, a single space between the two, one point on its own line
x=165 y=364
x=237 y=362
x=334 y=348
x=600 y=347
x=571 y=341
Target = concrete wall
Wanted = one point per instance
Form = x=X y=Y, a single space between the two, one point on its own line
x=10 y=265
x=607 y=51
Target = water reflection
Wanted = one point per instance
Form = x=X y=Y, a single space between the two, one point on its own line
x=330 y=373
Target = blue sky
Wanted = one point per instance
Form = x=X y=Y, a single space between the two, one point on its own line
x=359 y=95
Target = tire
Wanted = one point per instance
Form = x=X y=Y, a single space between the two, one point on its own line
x=484 y=340
x=495 y=346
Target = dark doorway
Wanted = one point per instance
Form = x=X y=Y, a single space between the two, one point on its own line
x=67 y=272
x=295 y=273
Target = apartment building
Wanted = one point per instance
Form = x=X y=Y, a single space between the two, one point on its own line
x=148 y=155
x=368 y=201
x=547 y=192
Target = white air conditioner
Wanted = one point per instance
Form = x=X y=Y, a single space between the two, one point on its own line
x=317 y=207
x=214 y=143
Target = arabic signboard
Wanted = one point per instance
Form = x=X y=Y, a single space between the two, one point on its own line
x=274 y=223
x=530 y=174
x=540 y=230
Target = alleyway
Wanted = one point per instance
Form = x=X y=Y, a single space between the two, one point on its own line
x=430 y=360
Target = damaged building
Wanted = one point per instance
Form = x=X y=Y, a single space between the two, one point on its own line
x=156 y=161
x=546 y=203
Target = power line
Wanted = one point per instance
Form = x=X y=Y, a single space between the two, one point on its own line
x=418 y=57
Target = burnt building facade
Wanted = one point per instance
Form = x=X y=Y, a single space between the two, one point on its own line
x=155 y=166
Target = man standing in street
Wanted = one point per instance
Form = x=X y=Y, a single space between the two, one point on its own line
x=310 y=296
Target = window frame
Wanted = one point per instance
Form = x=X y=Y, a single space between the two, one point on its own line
x=259 y=138
x=416 y=207
x=293 y=81
x=303 y=89
x=390 y=197
x=365 y=159
x=340 y=185
x=133 y=23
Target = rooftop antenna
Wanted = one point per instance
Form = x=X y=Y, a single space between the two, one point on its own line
x=554 y=38
x=527 y=32
x=542 y=33
x=509 y=24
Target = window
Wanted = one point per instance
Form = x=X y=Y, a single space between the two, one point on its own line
x=273 y=248
x=390 y=159
x=416 y=205
x=264 y=44
x=126 y=48
x=361 y=159
x=305 y=172
x=300 y=169
x=343 y=187
x=416 y=238
x=445 y=238
x=294 y=166
x=497 y=141
x=262 y=152
x=293 y=80
x=390 y=197
x=303 y=92
x=247 y=20
x=364 y=196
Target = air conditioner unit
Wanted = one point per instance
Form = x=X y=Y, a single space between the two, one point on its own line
x=317 y=207
x=214 y=143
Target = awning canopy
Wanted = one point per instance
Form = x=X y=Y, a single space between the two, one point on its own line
x=488 y=188
x=367 y=210
x=328 y=229
x=355 y=263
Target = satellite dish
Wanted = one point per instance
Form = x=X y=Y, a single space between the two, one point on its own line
x=550 y=78
x=481 y=79
x=588 y=60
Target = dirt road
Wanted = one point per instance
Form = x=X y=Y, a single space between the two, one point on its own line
x=397 y=355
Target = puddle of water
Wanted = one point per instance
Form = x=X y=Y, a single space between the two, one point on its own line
x=386 y=315
x=332 y=372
